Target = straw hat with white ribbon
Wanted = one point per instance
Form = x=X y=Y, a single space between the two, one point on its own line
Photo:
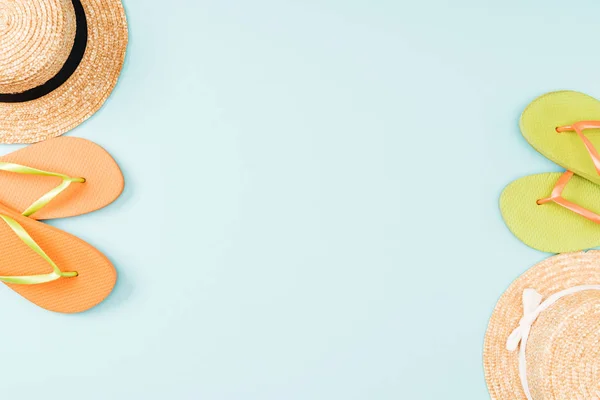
x=543 y=339
x=59 y=61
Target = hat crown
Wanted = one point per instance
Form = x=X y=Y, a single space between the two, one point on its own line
x=36 y=38
x=563 y=344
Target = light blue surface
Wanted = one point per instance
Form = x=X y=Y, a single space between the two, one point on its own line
x=311 y=200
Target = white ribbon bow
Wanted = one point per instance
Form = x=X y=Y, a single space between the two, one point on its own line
x=532 y=307
x=531 y=301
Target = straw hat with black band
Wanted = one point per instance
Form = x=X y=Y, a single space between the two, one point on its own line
x=59 y=62
x=543 y=339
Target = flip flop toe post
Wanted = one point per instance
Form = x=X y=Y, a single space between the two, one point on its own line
x=565 y=127
x=553 y=212
x=59 y=178
x=51 y=268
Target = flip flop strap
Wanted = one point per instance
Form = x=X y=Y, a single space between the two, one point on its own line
x=28 y=240
x=46 y=198
x=579 y=127
x=556 y=197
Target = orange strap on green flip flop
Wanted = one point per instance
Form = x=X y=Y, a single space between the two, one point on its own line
x=579 y=127
x=546 y=122
x=45 y=180
x=553 y=212
x=556 y=197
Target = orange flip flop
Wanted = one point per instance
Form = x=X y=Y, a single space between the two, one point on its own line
x=60 y=177
x=51 y=268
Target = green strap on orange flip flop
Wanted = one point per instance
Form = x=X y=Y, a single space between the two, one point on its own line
x=48 y=197
x=22 y=233
x=28 y=240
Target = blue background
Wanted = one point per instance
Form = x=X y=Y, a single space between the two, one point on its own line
x=311 y=200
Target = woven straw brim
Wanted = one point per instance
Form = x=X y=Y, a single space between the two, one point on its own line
x=84 y=92
x=563 y=357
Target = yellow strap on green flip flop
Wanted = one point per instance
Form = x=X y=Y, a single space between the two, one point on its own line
x=48 y=197
x=28 y=240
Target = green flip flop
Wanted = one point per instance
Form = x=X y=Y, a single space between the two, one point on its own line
x=565 y=127
x=553 y=212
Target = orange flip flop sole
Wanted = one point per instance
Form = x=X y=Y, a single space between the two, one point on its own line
x=95 y=281
x=71 y=156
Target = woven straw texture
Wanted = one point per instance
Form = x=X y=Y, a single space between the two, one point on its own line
x=36 y=37
x=563 y=352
